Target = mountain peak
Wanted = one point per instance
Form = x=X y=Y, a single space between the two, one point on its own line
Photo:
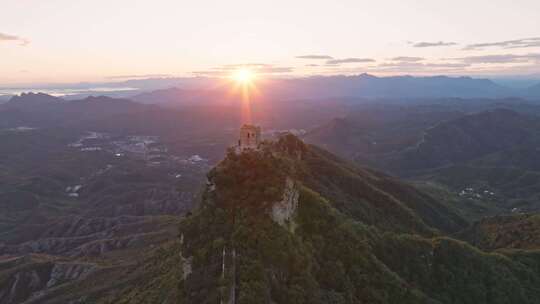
x=367 y=76
x=256 y=179
x=336 y=231
x=34 y=98
x=103 y=99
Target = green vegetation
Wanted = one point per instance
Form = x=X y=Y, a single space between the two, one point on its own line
x=455 y=272
x=355 y=236
x=157 y=280
x=359 y=237
x=374 y=198
x=519 y=231
x=468 y=207
x=251 y=180
x=514 y=187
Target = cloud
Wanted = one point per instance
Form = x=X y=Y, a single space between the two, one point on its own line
x=315 y=57
x=447 y=65
x=139 y=76
x=420 y=65
x=424 y=44
x=506 y=58
x=404 y=67
x=210 y=73
x=274 y=70
x=231 y=67
x=312 y=65
x=348 y=60
x=259 y=68
x=407 y=59
x=416 y=67
x=507 y=44
x=13 y=38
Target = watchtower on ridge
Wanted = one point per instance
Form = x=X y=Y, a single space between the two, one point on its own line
x=250 y=138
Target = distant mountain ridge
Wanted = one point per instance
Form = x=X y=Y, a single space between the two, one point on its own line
x=479 y=152
x=197 y=90
x=356 y=86
x=32 y=99
x=370 y=86
x=175 y=94
x=42 y=110
x=471 y=137
x=534 y=91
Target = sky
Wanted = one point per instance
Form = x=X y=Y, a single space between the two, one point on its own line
x=67 y=41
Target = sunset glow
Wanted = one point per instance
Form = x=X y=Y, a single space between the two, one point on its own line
x=244 y=84
x=166 y=44
x=244 y=76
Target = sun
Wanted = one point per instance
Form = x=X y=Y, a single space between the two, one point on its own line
x=244 y=76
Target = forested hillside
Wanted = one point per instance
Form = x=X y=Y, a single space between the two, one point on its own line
x=287 y=225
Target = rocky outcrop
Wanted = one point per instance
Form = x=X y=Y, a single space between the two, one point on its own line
x=283 y=211
x=187 y=267
x=48 y=245
x=62 y=272
x=101 y=247
x=110 y=234
x=21 y=284
x=81 y=226
x=34 y=278
x=187 y=263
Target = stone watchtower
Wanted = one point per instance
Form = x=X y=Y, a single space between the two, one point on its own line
x=250 y=138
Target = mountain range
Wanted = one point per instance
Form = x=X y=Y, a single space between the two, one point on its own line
x=211 y=90
x=101 y=204
x=357 y=86
x=486 y=154
x=312 y=228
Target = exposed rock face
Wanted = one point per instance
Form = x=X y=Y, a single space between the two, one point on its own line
x=210 y=185
x=81 y=226
x=21 y=284
x=102 y=247
x=34 y=279
x=283 y=211
x=91 y=237
x=187 y=263
x=62 y=272
x=186 y=267
x=48 y=245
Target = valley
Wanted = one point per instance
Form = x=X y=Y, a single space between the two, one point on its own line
x=85 y=207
